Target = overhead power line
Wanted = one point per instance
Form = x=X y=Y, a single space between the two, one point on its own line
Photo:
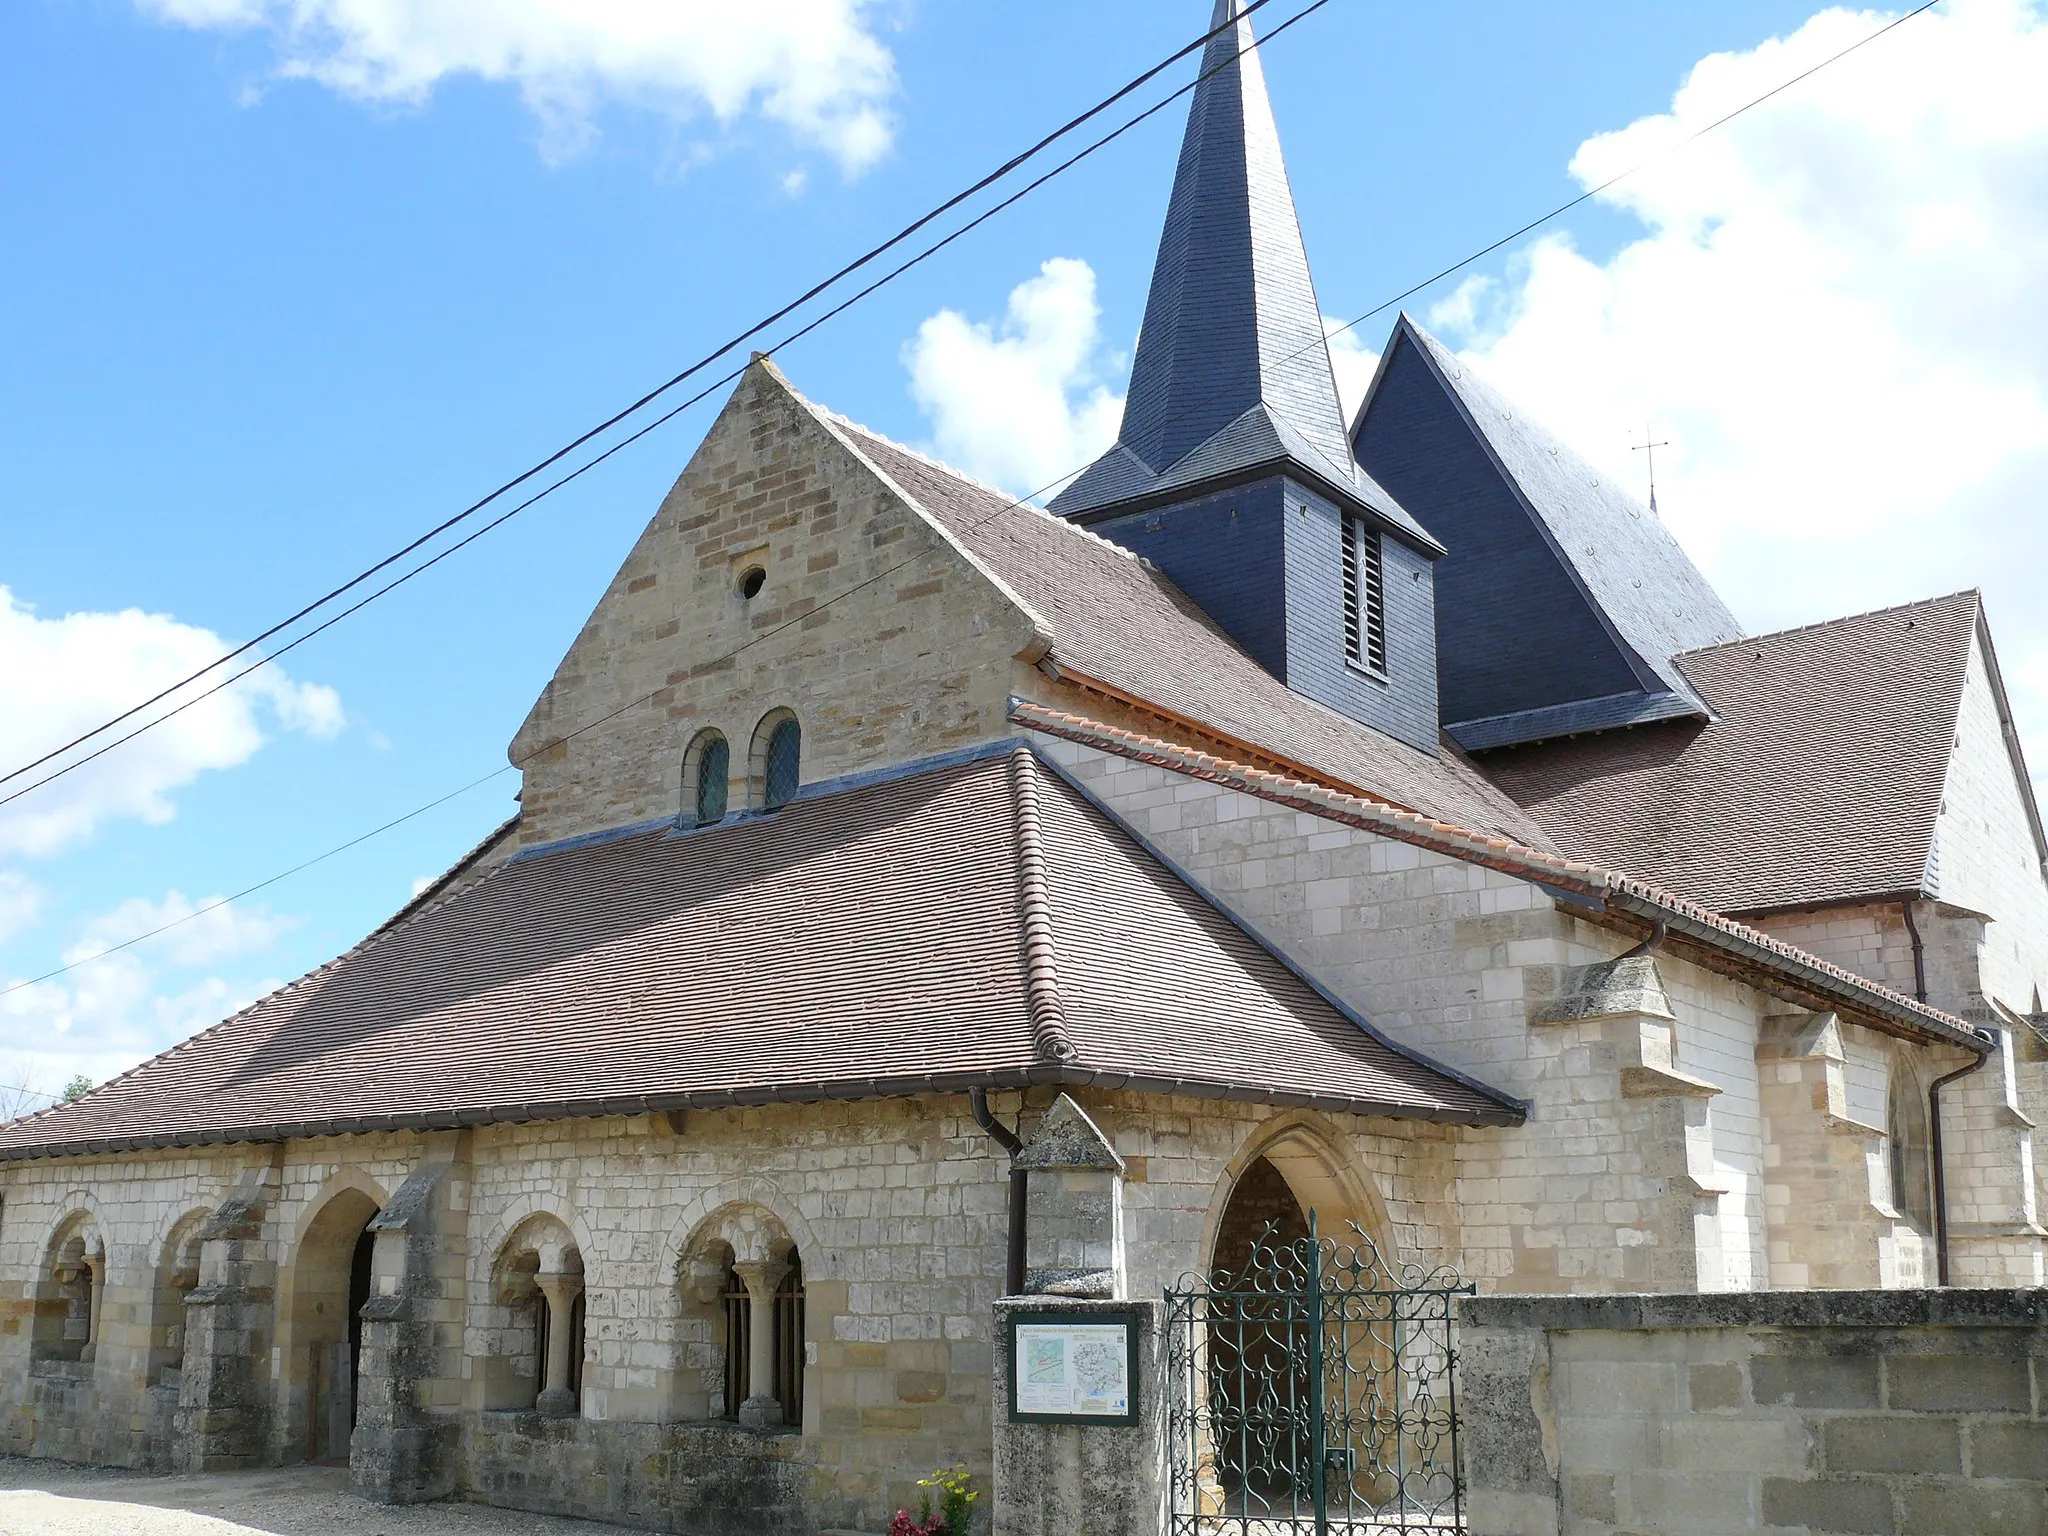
x=713 y=387
x=859 y=262
x=1592 y=192
x=990 y=516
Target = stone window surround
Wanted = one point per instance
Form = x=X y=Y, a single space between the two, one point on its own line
x=708 y=746
x=74 y=1270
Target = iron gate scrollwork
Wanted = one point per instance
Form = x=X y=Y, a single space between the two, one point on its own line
x=1314 y=1388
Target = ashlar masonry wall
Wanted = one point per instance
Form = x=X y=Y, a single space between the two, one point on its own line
x=1987 y=859
x=1656 y=1153
x=1988 y=1117
x=1983 y=954
x=1817 y=1413
x=875 y=629
x=896 y=1209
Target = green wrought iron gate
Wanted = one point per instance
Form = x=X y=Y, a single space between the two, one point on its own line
x=1313 y=1390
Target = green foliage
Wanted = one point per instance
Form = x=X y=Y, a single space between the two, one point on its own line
x=956 y=1494
x=77 y=1089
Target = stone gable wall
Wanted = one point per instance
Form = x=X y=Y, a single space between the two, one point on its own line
x=1988 y=861
x=881 y=635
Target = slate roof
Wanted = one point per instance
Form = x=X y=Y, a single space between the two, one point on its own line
x=1119 y=621
x=1618 y=556
x=1231 y=370
x=1819 y=781
x=975 y=922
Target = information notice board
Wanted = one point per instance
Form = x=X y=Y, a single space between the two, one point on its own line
x=1074 y=1368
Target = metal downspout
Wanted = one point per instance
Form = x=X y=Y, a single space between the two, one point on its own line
x=1919 y=951
x=1659 y=932
x=1934 y=1104
x=1940 y=1178
x=1004 y=1137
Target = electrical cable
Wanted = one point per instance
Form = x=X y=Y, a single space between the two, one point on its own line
x=656 y=393
x=1593 y=192
x=997 y=512
x=671 y=414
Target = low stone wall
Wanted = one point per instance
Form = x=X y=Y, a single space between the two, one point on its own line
x=708 y=1479
x=1877 y=1413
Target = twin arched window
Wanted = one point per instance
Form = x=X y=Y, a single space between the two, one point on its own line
x=713 y=774
x=774 y=774
x=781 y=762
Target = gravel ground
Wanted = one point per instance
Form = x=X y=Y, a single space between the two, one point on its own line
x=50 y=1498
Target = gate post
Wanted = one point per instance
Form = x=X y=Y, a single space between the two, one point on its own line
x=1056 y=1475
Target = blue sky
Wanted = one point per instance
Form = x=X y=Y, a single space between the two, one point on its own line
x=276 y=301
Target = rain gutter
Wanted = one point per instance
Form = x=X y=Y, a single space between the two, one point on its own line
x=1060 y=1074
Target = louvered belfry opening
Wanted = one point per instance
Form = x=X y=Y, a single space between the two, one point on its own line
x=1365 y=597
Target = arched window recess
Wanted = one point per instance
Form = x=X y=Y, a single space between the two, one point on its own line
x=707 y=778
x=537 y=1362
x=775 y=766
x=1909 y=1146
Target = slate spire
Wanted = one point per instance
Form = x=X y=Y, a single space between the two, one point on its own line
x=1231 y=370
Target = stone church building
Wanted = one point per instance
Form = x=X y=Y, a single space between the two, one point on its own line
x=918 y=897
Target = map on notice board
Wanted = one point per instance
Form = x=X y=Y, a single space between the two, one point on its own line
x=1073 y=1369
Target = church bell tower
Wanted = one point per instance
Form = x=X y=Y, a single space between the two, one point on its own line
x=1232 y=471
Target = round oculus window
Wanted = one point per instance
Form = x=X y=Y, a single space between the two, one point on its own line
x=751 y=581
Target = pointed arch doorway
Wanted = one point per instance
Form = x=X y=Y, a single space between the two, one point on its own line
x=1309 y=1368
x=1296 y=1164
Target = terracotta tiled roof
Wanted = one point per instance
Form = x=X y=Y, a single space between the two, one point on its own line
x=1720 y=943
x=976 y=923
x=1819 y=781
x=1118 y=620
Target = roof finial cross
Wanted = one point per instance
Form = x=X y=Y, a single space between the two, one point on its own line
x=1650 y=448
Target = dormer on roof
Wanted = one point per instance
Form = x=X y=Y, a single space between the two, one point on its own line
x=1232 y=471
x=1563 y=600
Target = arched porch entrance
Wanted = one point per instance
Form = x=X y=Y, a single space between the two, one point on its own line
x=1296 y=1165
x=320 y=1328
x=1309 y=1370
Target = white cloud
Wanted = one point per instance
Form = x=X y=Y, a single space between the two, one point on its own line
x=208 y=930
x=21 y=901
x=59 y=677
x=1020 y=404
x=812 y=66
x=105 y=1017
x=1352 y=361
x=1835 y=315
